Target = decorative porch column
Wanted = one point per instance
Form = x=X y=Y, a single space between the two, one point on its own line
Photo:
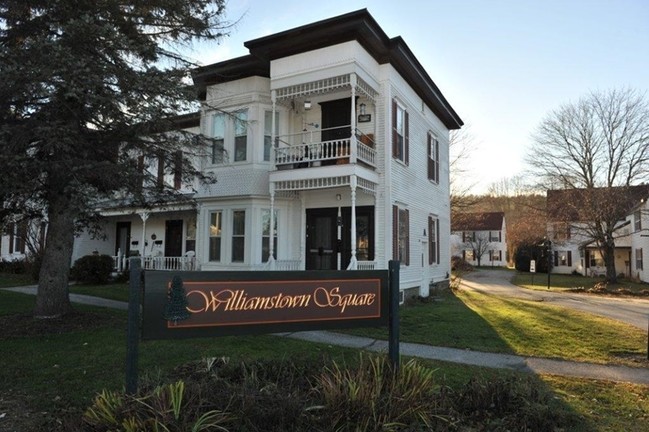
x=353 y=184
x=271 y=228
x=144 y=216
x=352 y=140
x=273 y=138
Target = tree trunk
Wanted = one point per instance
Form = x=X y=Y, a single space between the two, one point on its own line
x=609 y=261
x=53 y=299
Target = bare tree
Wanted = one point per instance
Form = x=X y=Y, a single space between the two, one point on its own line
x=480 y=244
x=598 y=145
x=461 y=145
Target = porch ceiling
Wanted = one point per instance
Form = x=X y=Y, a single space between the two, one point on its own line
x=324 y=86
x=324 y=183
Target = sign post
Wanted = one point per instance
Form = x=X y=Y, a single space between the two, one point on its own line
x=393 y=335
x=133 y=326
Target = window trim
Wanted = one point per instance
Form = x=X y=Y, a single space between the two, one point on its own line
x=401 y=215
x=219 y=236
x=234 y=236
x=433 y=157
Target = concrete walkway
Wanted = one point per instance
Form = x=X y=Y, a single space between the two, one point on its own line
x=475 y=358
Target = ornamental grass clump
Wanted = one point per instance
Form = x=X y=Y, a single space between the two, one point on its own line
x=375 y=397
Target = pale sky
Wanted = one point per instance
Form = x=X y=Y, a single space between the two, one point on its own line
x=502 y=64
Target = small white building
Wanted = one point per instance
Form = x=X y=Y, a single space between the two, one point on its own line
x=480 y=238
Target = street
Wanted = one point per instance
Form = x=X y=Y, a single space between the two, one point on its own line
x=629 y=310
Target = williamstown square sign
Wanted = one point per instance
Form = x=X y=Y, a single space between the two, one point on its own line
x=180 y=305
x=226 y=303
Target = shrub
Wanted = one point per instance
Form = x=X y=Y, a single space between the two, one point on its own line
x=375 y=397
x=92 y=269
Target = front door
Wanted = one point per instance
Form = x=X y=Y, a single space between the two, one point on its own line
x=122 y=238
x=321 y=239
x=174 y=238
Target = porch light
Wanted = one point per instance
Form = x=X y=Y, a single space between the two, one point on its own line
x=362 y=108
x=307 y=105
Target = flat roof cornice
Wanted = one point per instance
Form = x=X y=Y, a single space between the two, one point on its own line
x=359 y=26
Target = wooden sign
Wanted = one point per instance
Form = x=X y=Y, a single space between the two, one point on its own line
x=226 y=303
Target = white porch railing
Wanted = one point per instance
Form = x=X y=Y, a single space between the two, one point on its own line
x=184 y=263
x=365 y=265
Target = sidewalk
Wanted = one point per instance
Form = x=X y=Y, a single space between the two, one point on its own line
x=453 y=355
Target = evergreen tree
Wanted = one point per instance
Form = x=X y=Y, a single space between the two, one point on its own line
x=86 y=89
x=176 y=306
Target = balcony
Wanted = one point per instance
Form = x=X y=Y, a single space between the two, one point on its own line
x=312 y=163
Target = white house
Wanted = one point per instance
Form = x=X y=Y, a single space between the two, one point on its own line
x=638 y=226
x=573 y=247
x=336 y=157
x=480 y=237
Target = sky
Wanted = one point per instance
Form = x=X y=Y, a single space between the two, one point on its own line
x=504 y=65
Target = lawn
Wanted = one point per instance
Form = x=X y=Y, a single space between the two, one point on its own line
x=564 y=282
x=60 y=372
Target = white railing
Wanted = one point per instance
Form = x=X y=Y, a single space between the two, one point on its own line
x=306 y=149
x=184 y=263
x=365 y=265
x=169 y=263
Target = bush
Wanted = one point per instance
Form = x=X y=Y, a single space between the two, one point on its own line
x=92 y=269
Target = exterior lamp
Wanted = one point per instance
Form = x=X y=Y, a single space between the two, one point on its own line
x=362 y=109
x=307 y=105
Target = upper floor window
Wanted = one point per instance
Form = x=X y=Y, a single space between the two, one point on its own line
x=563 y=258
x=401 y=235
x=638 y=259
x=230 y=134
x=637 y=220
x=400 y=130
x=268 y=127
x=494 y=236
x=433 y=158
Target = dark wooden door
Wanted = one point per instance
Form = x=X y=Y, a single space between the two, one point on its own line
x=122 y=237
x=336 y=119
x=321 y=238
x=174 y=238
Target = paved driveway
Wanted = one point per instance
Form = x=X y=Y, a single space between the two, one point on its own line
x=629 y=310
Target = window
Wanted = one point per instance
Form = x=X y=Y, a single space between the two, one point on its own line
x=218 y=135
x=563 y=258
x=468 y=255
x=433 y=158
x=238 y=235
x=494 y=236
x=638 y=259
x=265 y=235
x=468 y=236
x=495 y=255
x=433 y=240
x=17 y=237
x=401 y=235
x=230 y=134
x=240 y=136
x=215 y=236
x=178 y=169
x=637 y=220
x=561 y=231
x=399 y=132
x=268 y=127
x=190 y=238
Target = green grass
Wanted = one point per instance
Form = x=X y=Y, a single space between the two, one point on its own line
x=109 y=291
x=563 y=282
x=8 y=280
x=87 y=361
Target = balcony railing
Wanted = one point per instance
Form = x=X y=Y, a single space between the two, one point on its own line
x=313 y=153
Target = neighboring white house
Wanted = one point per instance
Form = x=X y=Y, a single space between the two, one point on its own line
x=638 y=226
x=574 y=249
x=480 y=238
x=337 y=157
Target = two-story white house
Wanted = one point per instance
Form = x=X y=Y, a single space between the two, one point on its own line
x=336 y=157
x=480 y=238
x=573 y=247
